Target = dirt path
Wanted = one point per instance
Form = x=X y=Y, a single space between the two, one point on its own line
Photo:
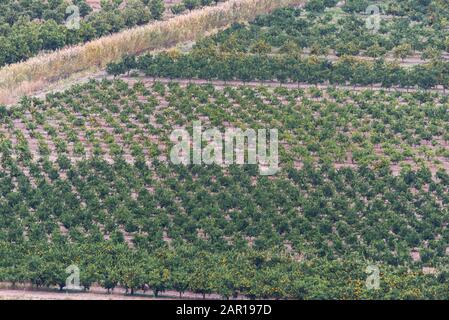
x=95 y=293
x=6 y=294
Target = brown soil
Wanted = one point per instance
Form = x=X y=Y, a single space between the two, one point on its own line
x=26 y=292
x=94 y=4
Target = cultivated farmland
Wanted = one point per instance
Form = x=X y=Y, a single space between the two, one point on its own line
x=88 y=177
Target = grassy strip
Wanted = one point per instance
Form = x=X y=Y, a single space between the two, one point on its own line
x=34 y=74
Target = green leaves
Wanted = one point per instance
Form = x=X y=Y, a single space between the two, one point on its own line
x=22 y=38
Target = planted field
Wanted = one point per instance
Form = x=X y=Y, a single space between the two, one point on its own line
x=322 y=32
x=105 y=177
x=101 y=150
x=36 y=73
x=298 y=46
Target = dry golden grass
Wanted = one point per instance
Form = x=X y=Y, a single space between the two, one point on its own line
x=34 y=74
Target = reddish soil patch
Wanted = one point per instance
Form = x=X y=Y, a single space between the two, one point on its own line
x=52 y=295
x=94 y=4
x=26 y=292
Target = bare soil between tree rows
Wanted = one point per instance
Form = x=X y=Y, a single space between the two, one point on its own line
x=26 y=292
